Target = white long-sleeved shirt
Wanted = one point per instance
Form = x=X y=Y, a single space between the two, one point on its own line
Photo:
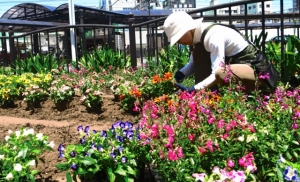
x=220 y=41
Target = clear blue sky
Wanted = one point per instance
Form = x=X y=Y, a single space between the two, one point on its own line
x=7 y=4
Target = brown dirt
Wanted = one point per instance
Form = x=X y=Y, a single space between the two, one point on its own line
x=60 y=126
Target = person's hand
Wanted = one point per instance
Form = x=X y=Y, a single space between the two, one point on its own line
x=179 y=76
x=183 y=88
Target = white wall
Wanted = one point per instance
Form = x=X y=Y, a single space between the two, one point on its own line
x=272 y=32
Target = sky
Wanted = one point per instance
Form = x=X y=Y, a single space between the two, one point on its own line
x=7 y=4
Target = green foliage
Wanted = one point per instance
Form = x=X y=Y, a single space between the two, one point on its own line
x=291 y=57
x=116 y=152
x=19 y=154
x=36 y=64
x=103 y=58
x=171 y=58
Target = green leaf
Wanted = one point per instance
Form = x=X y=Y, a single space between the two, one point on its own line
x=253 y=177
x=131 y=171
x=284 y=148
x=34 y=172
x=111 y=175
x=189 y=178
x=81 y=171
x=68 y=176
x=31 y=177
x=37 y=151
x=192 y=161
x=120 y=171
x=270 y=174
x=295 y=154
x=128 y=179
x=295 y=142
x=62 y=166
x=88 y=161
x=24 y=152
x=279 y=173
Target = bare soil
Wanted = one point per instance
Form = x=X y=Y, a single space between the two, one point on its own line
x=60 y=126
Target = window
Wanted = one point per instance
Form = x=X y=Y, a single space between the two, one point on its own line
x=268 y=5
x=249 y=8
x=254 y=6
x=234 y=11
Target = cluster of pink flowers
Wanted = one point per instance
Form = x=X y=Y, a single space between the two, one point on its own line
x=228 y=174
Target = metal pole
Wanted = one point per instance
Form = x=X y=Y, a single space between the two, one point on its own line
x=72 y=32
x=132 y=40
x=12 y=47
x=149 y=8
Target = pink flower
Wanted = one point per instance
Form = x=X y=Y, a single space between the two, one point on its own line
x=191 y=137
x=211 y=120
x=202 y=150
x=209 y=144
x=295 y=126
x=221 y=123
x=179 y=152
x=136 y=108
x=230 y=163
x=200 y=177
x=170 y=130
x=172 y=155
x=242 y=161
x=161 y=154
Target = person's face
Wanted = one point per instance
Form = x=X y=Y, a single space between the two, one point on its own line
x=186 y=39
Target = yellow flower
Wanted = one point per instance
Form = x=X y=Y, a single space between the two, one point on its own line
x=157 y=99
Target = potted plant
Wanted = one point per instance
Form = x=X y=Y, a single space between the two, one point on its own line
x=34 y=95
x=61 y=94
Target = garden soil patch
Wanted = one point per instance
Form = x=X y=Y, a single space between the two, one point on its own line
x=61 y=126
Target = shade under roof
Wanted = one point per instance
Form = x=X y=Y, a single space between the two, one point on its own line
x=25 y=24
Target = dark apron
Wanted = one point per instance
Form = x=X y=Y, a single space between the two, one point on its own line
x=202 y=61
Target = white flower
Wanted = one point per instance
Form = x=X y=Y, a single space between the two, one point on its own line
x=18 y=167
x=251 y=137
x=6 y=138
x=9 y=176
x=51 y=144
x=9 y=131
x=241 y=138
x=216 y=170
x=18 y=134
x=20 y=154
x=31 y=163
x=1 y=157
x=28 y=132
x=39 y=136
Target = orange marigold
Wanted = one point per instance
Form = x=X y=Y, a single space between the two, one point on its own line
x=170 y=102
x=136 y=92
x=121 y=97
x=168 y=76
x=155 y=79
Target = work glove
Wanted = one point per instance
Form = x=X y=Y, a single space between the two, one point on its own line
x=183 y=88
x=179 y=76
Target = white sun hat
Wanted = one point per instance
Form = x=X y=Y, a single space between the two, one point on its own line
x=177 y=24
